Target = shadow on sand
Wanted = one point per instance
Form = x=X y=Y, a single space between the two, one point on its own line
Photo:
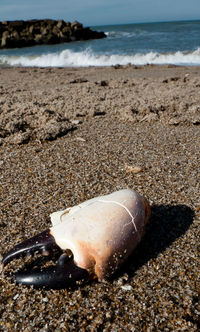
x=167 y=223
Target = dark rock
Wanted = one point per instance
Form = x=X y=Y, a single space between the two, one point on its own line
x=104 y=83
x=66 y=31
x=99 y=113
x=76 y=26
x=174 y=79
x=47 y=31
x=4 y=39
x=60 y=24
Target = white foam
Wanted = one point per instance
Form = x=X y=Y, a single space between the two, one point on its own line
x=122 y=34
x=85 y=58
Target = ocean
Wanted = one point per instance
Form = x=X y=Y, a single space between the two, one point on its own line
x=175 y=43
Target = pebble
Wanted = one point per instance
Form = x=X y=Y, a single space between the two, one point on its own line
x=127 y=287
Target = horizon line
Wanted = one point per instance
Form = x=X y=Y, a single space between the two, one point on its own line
x=107 y=24
x=149 y=22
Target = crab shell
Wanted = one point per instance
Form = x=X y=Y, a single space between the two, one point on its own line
x=102 y=232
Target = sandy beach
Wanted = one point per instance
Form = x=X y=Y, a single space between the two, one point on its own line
x=69 y=134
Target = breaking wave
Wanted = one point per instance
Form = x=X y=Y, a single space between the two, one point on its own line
x=85 y=58
x=137 y=33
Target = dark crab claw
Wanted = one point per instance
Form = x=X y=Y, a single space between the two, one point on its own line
x=64 y=273
x=99 y=233
x=43 y=242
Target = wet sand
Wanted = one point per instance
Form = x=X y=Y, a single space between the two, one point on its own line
x=69 y=134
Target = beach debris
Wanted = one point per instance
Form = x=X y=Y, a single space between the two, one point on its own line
x=95 y=238
x=174 y=121
x=152 y=117
x=117 y=66
x=79 y=80
x=186 y=77
x=102 y=83
x=127 y=287
x=174 y=79
x=76 y=121
x=81 y=139
x=99 y=113
x=134 y=169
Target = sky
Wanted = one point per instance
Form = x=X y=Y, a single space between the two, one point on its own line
x=101 y=12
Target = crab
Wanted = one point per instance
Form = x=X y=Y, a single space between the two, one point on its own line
x=95 y=237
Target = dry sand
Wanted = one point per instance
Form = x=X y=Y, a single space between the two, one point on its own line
x=69 y=134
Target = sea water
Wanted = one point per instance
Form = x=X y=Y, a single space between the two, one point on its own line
x=138 y=44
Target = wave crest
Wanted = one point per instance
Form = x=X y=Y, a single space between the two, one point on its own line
x=85 y=58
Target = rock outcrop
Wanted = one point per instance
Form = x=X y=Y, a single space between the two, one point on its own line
x=37 y=32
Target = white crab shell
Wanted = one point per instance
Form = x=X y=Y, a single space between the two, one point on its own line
x=102 y=232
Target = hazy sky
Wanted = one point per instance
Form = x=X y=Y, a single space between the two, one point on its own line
x=97 y=12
